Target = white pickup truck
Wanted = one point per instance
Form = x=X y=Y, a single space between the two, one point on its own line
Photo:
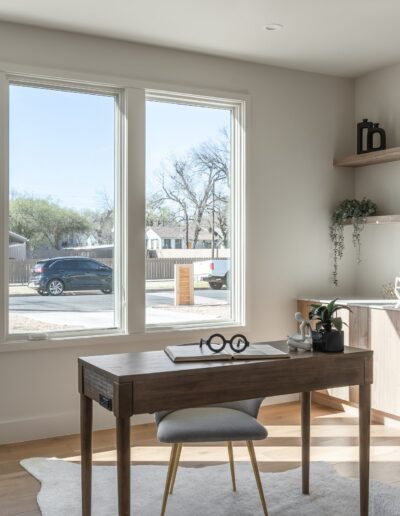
x=215 y=272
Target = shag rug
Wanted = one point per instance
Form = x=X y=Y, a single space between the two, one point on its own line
x=207 y=491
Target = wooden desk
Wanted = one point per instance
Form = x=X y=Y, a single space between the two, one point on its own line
x=138 y=383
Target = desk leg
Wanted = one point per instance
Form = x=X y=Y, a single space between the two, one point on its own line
x=364 y=429
x=305 y=440
x=86 y=453
x=124 y=465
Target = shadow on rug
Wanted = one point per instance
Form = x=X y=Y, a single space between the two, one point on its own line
x=200 y=491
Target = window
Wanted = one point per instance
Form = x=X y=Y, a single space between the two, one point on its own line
x=194 y=184
x=64 y=177
x=73 y=215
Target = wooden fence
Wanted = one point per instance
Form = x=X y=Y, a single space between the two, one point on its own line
x=156 y=268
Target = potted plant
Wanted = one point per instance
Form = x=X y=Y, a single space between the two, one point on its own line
x=328 y=335
x=354 y=211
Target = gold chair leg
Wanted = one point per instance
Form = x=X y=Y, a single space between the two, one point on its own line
x=232 y=464
x=178 y=456
x=253 y=459
x=174 y=451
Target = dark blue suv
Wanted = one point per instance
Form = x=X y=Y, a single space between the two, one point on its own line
x=56 y=275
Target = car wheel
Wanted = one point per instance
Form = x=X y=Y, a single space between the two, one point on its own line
x=106 y=290
x=43 y=293
x=55 y=287
x=215 y=286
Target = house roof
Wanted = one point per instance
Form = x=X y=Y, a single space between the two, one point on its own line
x=179 y=232
x=14 y=238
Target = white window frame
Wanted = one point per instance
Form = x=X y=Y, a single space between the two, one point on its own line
x=119 y=268
x=237 y=205
x=131 y=132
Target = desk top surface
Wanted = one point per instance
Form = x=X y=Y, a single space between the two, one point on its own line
x=129 y=366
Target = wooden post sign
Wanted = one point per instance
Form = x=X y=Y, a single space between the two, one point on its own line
x=184 y=285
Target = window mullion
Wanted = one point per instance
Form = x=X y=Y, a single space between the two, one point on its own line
x=135 y=284
x=3 y=206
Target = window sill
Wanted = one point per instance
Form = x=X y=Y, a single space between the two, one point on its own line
x=155 y=335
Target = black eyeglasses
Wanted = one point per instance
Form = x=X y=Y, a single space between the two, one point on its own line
x=217 y=343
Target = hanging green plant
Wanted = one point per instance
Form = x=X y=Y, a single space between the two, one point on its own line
x=356 y=212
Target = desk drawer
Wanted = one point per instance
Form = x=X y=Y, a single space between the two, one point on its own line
x=98 y=388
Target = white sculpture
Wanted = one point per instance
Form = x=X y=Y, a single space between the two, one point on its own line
x=302 y=340
x=397 y=287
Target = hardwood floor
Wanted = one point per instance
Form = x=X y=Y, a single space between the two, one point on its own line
x=334 y=438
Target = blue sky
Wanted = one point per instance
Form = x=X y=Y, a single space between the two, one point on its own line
x=62 y=143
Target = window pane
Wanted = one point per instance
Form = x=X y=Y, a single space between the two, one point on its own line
x=188 y=218
x=62 y=177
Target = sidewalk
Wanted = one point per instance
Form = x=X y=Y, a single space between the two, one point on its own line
x=151 y=285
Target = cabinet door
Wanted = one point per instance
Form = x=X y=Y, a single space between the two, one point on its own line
x=385 y=343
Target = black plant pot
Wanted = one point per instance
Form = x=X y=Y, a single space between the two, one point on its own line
x=329 y=342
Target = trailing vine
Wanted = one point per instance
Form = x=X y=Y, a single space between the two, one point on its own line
x=356 y=212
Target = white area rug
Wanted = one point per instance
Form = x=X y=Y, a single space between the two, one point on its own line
x=207 y=491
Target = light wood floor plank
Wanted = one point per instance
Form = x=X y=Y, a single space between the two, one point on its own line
x=334 y=438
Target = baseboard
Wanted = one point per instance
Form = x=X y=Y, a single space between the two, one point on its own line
x=67 y=423
x=377 y=416
x=56 y=425
x=276 y=400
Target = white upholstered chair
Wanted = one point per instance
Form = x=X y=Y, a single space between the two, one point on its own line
x=229 y=422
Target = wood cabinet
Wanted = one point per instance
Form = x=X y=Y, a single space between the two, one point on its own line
x=385 y=342
x=377 y=329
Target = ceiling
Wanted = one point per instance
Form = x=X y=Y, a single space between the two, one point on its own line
x=339 y=37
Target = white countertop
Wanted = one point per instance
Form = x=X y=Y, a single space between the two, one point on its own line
x=382 y=304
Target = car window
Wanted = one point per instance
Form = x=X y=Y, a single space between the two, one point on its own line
x=56 y=266
x=90 y=265
x=70 y=264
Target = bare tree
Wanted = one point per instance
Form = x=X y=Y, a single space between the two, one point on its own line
x=197 y=185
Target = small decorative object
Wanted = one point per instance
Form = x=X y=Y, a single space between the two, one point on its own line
x=217 y=343
x=362 y=128
x=356 y=212
x=328 y=337
x=388 y=291
x=370 y=138
x=302 y=340
x=397 y=287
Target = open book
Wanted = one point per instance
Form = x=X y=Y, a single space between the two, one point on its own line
x=193 y=353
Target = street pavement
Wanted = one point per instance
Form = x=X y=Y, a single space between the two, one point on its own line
x=78 y=302
x=88 y=310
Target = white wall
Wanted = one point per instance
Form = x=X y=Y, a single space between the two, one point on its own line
x=299 y=122
x=377 y=97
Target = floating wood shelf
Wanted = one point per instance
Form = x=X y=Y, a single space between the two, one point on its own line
x=370 y=158
x=379 y=219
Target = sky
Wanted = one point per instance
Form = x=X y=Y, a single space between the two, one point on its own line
x=62 y=143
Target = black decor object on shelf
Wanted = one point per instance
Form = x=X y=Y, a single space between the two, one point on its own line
x=366 y=131
x=362 y=140
x=370 y=138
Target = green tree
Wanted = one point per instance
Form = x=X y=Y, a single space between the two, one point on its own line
x=44 y=222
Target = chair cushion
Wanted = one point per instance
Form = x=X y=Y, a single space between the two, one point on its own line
x=209 y=424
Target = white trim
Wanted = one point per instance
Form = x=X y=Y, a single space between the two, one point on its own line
x=133 y=326
x=237 y=205
x=120 y=173
x=67 y=423
x=4 y=204
x=136 y=210
x=59 y=424
x=117 y=81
